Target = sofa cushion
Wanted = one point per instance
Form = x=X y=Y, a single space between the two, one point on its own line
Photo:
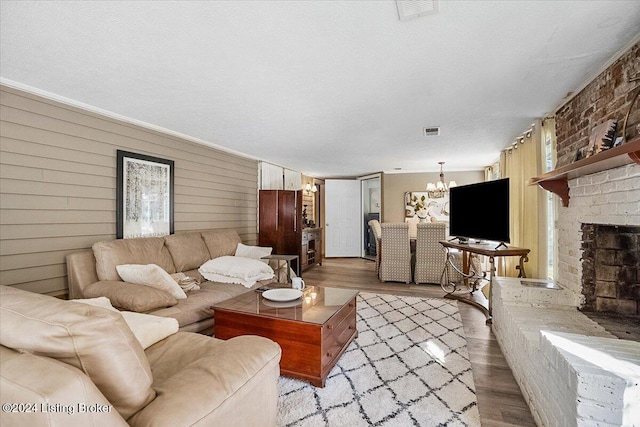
x=185 y=365
x=46 y=383
x=92 y=339
x=150 y=275
x=197 y=306
x=148 y=250
x=221 y=242
x=188 y=250
x=128 y=296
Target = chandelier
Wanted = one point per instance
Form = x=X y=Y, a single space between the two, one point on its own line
x=439 y=189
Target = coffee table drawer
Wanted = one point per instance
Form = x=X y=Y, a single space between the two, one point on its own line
x=337 y=333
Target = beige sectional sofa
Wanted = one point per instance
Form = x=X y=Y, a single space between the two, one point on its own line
x=64 y=363
x=92 y=273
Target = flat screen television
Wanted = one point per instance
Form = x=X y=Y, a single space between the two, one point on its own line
x=480 y=211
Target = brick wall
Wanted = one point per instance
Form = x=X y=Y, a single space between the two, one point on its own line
x=608 y=96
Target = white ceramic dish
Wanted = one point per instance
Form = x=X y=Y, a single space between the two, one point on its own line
x=281 y=295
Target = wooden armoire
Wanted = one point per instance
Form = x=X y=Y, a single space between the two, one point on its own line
x=281 y=227
x=280 y=222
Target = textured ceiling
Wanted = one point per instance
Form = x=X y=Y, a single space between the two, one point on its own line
x=330 y=88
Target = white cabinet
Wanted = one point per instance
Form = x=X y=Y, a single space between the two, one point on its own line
x=292 y=180
x=271 y=177
x=274 y=177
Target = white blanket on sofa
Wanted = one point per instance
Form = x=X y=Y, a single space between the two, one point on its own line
x=233 y=269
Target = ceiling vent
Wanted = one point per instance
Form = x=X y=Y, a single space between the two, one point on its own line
x=432 y=131
x=409 y=9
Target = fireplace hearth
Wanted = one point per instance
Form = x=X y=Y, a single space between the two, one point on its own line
x=611 y=269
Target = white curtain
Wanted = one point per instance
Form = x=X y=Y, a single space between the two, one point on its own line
x=519 y=163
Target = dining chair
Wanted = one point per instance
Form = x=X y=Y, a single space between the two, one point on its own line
x=377 y=234
x=395 y=253
x=413 y=223
x=430 y=254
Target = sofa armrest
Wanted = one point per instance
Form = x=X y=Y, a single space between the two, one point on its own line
x=130 y=297
x=81 y=271
x=53 y=390
x=205 y=381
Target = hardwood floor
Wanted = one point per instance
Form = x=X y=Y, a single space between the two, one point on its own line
x=500 y=402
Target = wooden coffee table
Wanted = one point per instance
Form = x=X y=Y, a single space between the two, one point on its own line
x=313 y=331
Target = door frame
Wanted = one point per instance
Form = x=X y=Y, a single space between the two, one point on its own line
x=365 y=200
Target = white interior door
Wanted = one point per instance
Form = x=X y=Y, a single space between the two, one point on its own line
x=343 y=218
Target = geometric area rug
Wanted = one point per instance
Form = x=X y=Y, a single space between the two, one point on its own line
x=409 y=366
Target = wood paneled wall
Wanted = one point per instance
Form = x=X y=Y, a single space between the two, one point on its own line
x=58 y=185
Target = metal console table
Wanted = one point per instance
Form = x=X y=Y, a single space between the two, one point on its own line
x=287 y=259
x=471 y=279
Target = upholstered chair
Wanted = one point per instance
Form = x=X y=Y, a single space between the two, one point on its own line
x=377 y=233
x=430 y=255
x=395 y=253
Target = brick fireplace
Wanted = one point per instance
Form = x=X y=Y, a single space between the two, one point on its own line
x=607 y=200
x=611 y=268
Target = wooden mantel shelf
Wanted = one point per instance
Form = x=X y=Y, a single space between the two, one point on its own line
x=556 y=181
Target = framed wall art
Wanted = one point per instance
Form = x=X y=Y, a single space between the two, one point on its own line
x=144 y=199
x=419 y=204
x=602 y=137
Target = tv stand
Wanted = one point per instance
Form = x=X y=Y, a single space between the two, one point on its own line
x=461 y=240
x=471 y=279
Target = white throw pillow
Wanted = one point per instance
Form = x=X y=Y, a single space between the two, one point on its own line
x=147 y=328
x=150 y=275
x=255 y=252
x=233 y=269
x=150 y=329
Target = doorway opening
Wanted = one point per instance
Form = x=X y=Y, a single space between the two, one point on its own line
x=371 y=208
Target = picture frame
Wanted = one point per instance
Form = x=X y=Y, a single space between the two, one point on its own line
x=144 y=196
x=601 y=138
x=436 y=209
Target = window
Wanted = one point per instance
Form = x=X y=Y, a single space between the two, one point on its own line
x=549 y=155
